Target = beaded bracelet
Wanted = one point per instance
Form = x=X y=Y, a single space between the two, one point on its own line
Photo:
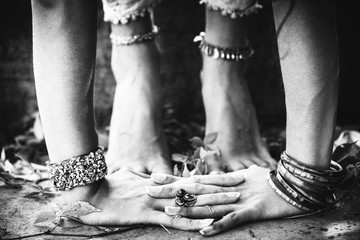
x=79 y=170
x=137 y=38
x=229 y=54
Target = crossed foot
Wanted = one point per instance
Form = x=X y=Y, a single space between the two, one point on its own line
x=137 y=139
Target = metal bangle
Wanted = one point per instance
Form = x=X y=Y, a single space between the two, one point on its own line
x=283 y=194
x=79 y=170
x=137 y=38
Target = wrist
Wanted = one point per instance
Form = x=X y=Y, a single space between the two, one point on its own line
x=81 y=193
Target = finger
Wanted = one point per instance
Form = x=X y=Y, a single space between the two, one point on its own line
x=207 y=211
x=169 y=191
x=138 y=173
x=202 y=200
x=95 y=218
x=231 y=220
x=179 y=222
x=225 y=180
x=160 y=178
x=218 y=180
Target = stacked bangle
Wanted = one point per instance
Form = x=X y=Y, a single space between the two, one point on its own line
x=137 y=38
x=78 y=171
x=306 y=188
x=229 y=54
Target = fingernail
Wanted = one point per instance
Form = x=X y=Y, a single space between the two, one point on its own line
x=206 y=222
x=158 y=177
x=233 y=194
x=206 y=230
x=238 y=176
x=215 y=172
x=154 y=190
x=172 y=210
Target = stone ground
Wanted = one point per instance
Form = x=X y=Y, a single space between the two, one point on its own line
x=18 y=215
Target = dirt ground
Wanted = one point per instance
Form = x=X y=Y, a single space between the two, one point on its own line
x=18 y=215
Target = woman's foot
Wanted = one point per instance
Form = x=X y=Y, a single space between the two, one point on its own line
x=137 y=139
x=230 y=114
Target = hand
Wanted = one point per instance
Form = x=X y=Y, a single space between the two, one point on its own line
x=258 y=201
x=123 y=199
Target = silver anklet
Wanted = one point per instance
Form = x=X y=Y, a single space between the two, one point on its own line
x=229 y=54
x=137 y=38
x=78 y=171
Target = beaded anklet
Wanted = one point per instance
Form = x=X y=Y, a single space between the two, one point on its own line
x=78 y=171
x=137 y=38
x=229 y=54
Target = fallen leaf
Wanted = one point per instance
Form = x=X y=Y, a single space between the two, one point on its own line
x=343 y=151
x=78 y=208
x=196 y=142
x=47 y=220
x=210 y=138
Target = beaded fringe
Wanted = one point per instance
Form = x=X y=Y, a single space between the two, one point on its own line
x=232 y=13
x=114 y=14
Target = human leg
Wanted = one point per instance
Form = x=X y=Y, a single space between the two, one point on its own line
x=136 y=137
x=228 y=106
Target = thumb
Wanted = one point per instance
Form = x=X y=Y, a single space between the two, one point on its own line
x=95 y=218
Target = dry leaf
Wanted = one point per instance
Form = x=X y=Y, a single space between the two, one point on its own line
x=47 y=220
x=210 y=138
x=78 y=208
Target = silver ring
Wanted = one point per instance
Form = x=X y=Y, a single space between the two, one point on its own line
x=185 y=199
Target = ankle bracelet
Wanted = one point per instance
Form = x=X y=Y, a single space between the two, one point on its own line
x=137 y=38
x=229 y=54
x=79 y=170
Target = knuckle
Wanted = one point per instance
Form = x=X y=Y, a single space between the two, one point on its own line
x=169 y=189
x=195 y=179
x=175 y=219
x=218 y=226
x=234 y=217
x=214 y=197
x=211 y=210
x=199 y=187
x=190 y=223
x=223 y=178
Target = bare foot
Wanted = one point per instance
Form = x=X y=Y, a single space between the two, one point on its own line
x=137 y=139
x=230 y=113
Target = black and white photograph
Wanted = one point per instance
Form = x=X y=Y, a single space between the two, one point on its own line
x=179 y=119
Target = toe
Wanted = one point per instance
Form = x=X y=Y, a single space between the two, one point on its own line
x=161 y=168
x=214 y=164
x=236 y=165
x=216 y=172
